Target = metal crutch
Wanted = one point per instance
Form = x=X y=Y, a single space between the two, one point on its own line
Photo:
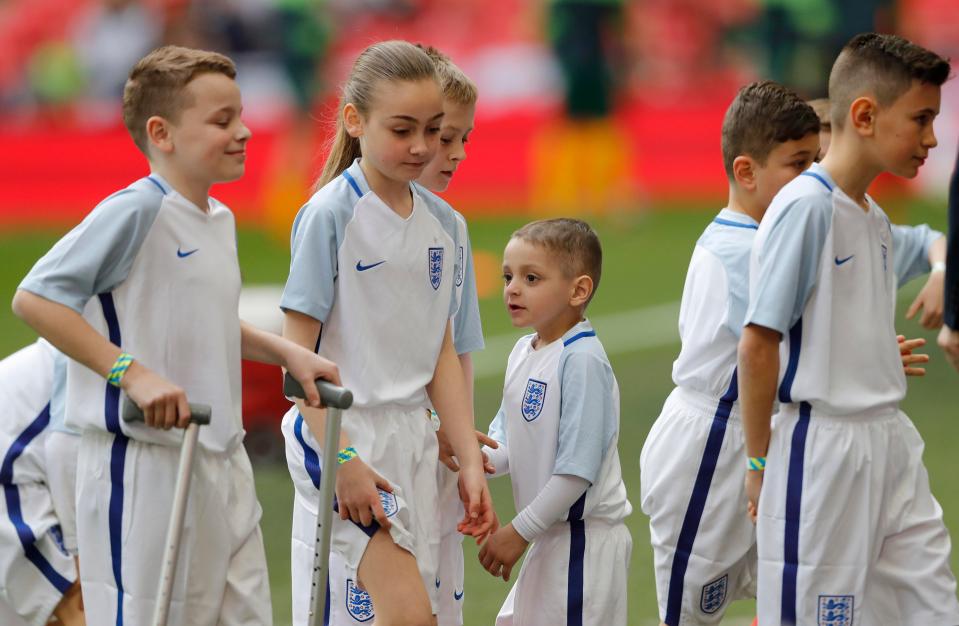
x=336 y=399
x=200 y=414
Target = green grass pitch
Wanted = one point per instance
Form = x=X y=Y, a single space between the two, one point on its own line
x=645 y=263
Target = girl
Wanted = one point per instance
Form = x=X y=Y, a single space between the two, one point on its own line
x=372 y=276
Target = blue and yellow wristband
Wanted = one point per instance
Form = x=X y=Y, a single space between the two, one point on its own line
x=346 y=454
x=756 y=463
x=120 y=367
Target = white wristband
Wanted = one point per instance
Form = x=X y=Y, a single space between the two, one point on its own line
x=938 y=266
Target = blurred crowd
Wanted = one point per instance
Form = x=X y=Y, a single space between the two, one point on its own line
x=63 y=58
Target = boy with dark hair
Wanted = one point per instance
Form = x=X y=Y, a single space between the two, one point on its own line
x=557 y=429
x=691 y=465
x=144 y=292
x=847 y=530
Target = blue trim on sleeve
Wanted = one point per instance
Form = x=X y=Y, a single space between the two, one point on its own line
x=795 y=343
x=578 y=336
x=12 y=495
x=794 y=481
x=352 y=181
x=719 y=220
x=577 y=552
x=819 y=178
x=118 y=455
x=697 y=504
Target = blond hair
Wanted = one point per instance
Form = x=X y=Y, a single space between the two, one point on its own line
x=457 y=86
x=156 y=86
x=574 y=243
x=387 y=60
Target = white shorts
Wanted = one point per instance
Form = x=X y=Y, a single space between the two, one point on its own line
x=61 y=450
x=449 y=575
x=8 y=616
x=848 y=531
x=35 y=567
x=400 y=445
x=692 y=470
x=574 y=573
x=124 y=496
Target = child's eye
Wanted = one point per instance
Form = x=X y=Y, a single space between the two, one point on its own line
x=401 y=131
x=531 y=278
x=445 y=141
x=433 y=130
x=923 y=120
x=507 y=278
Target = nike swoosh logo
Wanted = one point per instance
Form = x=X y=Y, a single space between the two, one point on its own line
x=182 y=254
x=458 y=596
x=437 y=583
x=362 y=268
x=841 y=261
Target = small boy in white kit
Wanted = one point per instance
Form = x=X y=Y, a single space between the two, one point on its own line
x=557 y=429
x=38 y=573
x=143 y=292
x=691 y=464
x=847 y=529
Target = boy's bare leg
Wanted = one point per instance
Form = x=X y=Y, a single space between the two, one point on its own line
x=391 y=577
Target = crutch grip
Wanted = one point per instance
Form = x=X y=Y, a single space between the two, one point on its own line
x=331 y=395
x=199 y=413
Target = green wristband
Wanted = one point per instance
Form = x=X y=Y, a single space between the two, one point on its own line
x=120 y=367
x=346 y=454
x=756 y=463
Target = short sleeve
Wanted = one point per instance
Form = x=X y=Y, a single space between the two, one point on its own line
x=467 y=328
x=97 y=254
x=785 y=262
x=910 y=251
x=313 y=264
x=497 y=428
x=588 y=419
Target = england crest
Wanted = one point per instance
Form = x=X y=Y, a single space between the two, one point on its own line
x=714 y=595
x=533 y=399
x=835 y=610
x=459 y=266
x=388 y=500
x=436 y=266
x=359 y=604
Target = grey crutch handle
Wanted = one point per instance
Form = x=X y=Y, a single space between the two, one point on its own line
x=331 y=395
x=199 y=413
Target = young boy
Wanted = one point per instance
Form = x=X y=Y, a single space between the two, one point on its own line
x=847 y=530
x=557 y=429
x=38 y=574
x=144 y=292
x=691 y=472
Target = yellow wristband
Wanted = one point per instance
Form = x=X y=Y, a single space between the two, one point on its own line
x=120 y=367
x=346 y=454
x=756 y=463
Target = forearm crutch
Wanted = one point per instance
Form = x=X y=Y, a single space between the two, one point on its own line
x=200 y=414
x=336 y=399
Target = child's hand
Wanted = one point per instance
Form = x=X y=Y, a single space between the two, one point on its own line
x=949 y=342
x=906 y=346
x=480 y=518
x=306 y=367
x=164 y=404
x=754 y=485
x=501 y=551
x=931 y=301
x=357 y=493
x=446 y=450
x=485 y=440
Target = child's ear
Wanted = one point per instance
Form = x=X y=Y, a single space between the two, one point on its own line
x=582 y=290
x=744 y=172
x=862 y=115
x=159 y=134
x=352 y=120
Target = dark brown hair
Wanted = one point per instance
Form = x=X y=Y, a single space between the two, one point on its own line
x=883 y=66
x=574 y=243
x=156 y=86
x=762 y=115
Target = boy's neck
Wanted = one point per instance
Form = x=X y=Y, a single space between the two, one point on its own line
x=396 y=194
x=558 y=327
x=849 y=167
x=197 y=192
x=743 y=202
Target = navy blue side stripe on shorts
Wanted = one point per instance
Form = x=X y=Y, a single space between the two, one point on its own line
x=797 y=452
x=118 y=457
x=697 y=503
x=577 y=555
x=12 y=495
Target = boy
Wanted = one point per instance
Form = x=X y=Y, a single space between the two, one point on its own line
x=557 y=429
x=691 y=472
x=38 y=574
x=160 y=257
x=845 y=491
